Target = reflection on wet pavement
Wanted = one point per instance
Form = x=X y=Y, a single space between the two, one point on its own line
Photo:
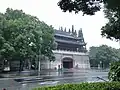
x=55 y=78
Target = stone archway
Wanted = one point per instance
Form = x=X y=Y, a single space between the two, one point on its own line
x=67 y=62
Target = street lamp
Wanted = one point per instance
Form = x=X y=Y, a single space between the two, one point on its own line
x=39 y=57
x=39 y=60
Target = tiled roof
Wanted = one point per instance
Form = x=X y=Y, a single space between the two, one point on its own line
x=66 y=34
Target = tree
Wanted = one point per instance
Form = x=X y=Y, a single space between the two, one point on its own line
x=88 y=7
x=23 y=36
x=92 y=54
x=106 y=55
x=103 y=55
x=20 y=31
x=111 y=30
x=6 y=49
x=48 y=43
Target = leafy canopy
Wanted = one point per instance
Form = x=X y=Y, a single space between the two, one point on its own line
x=88 y=7
x=24 y=36
x=112 y=29
x=103 y=54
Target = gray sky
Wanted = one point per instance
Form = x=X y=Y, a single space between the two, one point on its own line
x=50 y=13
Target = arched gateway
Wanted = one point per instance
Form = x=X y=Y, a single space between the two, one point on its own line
x=67 y=62
x=68 y=59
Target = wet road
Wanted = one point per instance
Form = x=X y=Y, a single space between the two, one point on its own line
x=55 y=78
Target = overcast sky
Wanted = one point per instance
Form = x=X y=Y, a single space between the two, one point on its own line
x=50 y=13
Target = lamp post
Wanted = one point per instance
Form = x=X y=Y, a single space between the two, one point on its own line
x=39 y=58
x=39 y=61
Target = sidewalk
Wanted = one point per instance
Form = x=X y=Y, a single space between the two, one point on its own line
x=35 y=73
x=43 y=74
x=9 y=80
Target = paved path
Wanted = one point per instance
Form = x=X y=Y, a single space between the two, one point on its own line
x=53 y=79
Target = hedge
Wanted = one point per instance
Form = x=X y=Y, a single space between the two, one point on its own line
x=114 y=73
x=84 y=86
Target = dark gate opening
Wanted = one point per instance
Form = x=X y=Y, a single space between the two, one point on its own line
x=67 y=63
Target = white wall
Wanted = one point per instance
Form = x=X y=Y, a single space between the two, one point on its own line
x=57 y=61
x=82 y=59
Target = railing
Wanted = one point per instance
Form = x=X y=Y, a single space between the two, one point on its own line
x=71 y=42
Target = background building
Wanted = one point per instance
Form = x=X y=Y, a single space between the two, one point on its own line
x=71 y=50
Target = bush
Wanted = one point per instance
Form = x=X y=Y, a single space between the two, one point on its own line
x=114 y=73
x=84 y=86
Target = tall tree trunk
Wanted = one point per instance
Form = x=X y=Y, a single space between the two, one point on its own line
x=36 y=64
x=21 y=65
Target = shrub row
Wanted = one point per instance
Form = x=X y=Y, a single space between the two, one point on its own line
x=84 y=86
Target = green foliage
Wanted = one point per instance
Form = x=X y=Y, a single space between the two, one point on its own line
x=103 y=54
x=112 y=12
x=92 y=54
x=111 y=30
x=114 y=73
x=23 y=36
x=88 y=7
x=84 y=86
